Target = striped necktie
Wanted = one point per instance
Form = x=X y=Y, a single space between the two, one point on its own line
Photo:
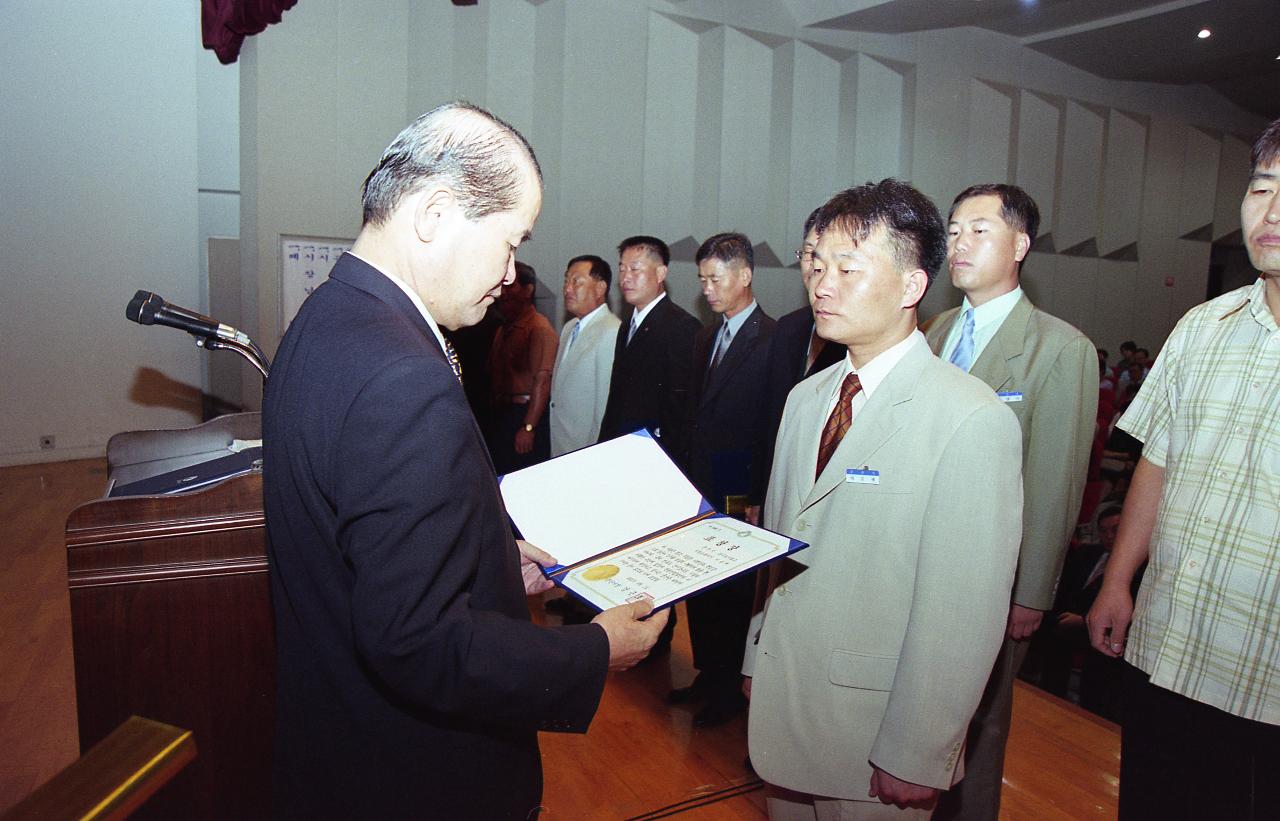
x=838 y=422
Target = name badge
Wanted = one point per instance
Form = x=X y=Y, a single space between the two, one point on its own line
x=1010 y=396
x=862 y=477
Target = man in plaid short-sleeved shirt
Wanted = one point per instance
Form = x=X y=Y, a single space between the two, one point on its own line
x=1201 y=734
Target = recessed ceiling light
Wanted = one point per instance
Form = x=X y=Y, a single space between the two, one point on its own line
x=1205 y=34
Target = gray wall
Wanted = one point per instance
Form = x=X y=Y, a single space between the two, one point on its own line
x=673 y=118
x=682 y=119
x=97 y=199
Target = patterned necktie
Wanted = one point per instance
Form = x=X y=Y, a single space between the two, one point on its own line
x=573 y=335
x=452 y=356
x=635 y=326
x=962 y=356
x=838 y=422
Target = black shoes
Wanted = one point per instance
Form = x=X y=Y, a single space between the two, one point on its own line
x=720 y=710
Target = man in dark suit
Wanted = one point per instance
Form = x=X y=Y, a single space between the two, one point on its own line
x=795 y=353
x=649 y=387
x=722 y=429
x=410 y=680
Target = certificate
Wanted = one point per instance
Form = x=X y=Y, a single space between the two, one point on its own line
x=623 y=523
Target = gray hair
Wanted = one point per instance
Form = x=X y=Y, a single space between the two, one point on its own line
x=460 y=145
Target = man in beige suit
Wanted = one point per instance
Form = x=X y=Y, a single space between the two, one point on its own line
x=1047 y=373
x=580 y=381
x=872 y=657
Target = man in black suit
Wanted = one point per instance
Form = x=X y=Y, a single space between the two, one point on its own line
x=723 y=425
x=651 y=361
x=796 y=352
x=649 y=386
x=410 y=680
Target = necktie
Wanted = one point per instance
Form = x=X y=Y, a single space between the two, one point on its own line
x=573 y=335
x=962 y=356
x=452 y=356
x=838 y=422
x=635 y=326
x=726 y=337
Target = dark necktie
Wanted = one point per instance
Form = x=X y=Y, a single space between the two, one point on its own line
x=838 y=422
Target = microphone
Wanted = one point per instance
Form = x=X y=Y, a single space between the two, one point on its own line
x=147 y=308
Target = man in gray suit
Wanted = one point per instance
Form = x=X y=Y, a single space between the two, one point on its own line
x=871 y=659
x=580 y=381
x=1047 y=373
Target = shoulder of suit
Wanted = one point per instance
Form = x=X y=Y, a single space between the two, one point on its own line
x=1049 y=327
x=958 y=392
x=934 y=324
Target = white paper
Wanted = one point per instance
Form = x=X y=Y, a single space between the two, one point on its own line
x=677 y=564
x=597 y=498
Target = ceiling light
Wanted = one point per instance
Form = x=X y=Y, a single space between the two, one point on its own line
x=1205 y=34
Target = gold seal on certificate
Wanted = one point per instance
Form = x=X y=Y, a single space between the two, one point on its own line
x=600 y=572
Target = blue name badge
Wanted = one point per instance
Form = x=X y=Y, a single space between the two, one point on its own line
x=1010 y=396
x=862 y=477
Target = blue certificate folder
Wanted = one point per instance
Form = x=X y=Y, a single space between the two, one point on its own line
x=623 y=522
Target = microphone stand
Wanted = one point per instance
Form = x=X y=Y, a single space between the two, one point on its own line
x=251 y=352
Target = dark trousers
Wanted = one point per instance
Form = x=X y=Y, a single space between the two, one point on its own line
x=1181 y=759
x=505 y=420
x=718 y=622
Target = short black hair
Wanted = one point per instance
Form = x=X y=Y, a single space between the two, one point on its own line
x=525 y=275
x=1108 y=511
x=911 y=219
x=653 y=245
x=599 y=268
x=728 y=248
x=1128 y=345
x=1019 y=211
x=810 y=221
x=1266 y=149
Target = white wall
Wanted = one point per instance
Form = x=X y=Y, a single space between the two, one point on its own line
x=97 y=199
x=681 y=119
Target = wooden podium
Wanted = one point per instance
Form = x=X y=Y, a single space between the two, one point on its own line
x=171 y=618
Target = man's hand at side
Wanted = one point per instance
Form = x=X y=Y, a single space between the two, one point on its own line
x=902 y=794
x=630 y=638
x=1023 y=622
x=532 y=560
x=1109 y=619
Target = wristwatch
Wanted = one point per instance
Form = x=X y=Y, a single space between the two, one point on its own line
x=528 y=428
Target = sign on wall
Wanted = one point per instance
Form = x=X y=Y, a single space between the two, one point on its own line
x=305 y=262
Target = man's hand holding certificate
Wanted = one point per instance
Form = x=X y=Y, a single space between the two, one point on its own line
x=625 y=524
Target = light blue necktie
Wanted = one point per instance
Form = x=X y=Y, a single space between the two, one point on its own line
x=573 y=335
x=962 y=356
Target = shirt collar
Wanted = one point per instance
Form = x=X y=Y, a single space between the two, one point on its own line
x=875 y=371
x=640 y=313
x=1256 y=299
x=413 y=297
x=993 y=312
x=592 y=314
x=739 y=319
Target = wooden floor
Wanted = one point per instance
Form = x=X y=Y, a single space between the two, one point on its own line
x=641 y=760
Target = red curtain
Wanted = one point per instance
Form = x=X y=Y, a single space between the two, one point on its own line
x=226 y=23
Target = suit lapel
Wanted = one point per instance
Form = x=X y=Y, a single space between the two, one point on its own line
x=739 y=348
x=994 y=366
x=880 y=420
x=627 y=350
